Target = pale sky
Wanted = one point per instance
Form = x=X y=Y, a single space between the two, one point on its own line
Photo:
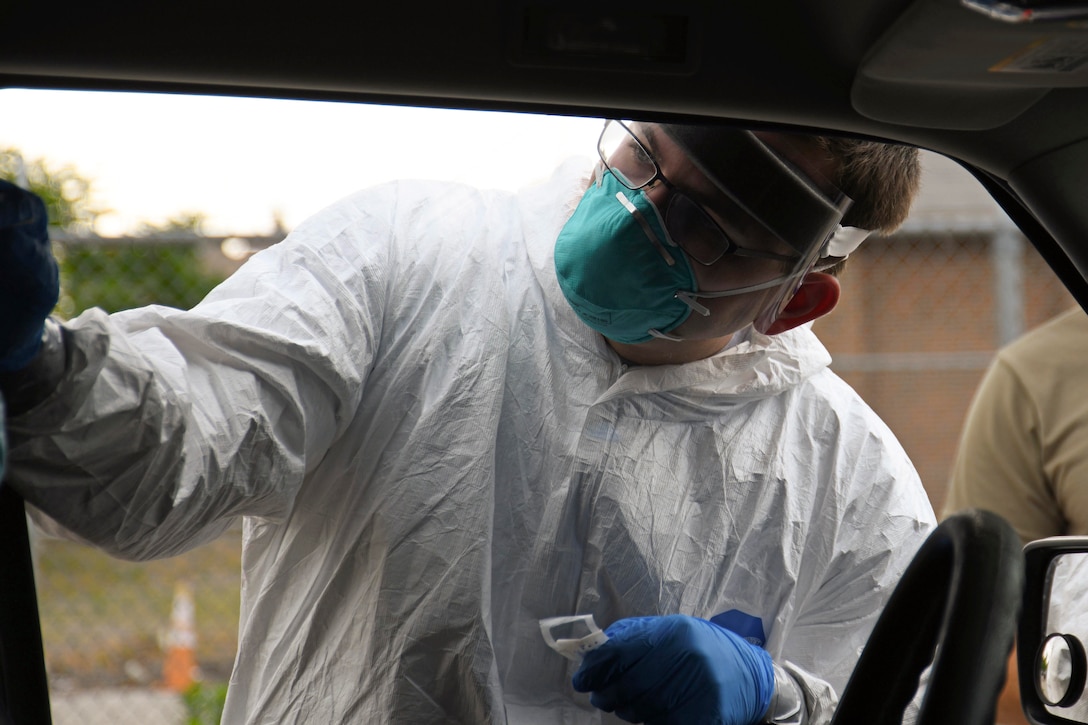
x=240 y=161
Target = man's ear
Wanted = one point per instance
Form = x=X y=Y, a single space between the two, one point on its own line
x=817 y=295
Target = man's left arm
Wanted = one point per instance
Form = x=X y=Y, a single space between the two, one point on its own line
x=875 y=543
x=678 y=669
x=681 y=669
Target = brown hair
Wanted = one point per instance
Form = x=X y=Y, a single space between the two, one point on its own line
x=881 y=178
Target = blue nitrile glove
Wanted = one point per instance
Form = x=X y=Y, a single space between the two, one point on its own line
x=677 y=670
x=29 y=281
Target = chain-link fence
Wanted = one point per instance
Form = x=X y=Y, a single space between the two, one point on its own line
x=138 y=643
x=922 y=314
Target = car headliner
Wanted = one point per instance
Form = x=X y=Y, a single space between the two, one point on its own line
x=1008 y=99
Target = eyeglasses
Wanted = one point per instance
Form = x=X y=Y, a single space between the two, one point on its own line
x=687 y=222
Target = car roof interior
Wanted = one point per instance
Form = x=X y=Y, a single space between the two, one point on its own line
x=1007 y=98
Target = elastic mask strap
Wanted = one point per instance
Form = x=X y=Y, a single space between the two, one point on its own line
x=840 y=244
x=664 y=335
x=689 y=298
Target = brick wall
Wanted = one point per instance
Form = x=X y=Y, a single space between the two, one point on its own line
x=921 y=316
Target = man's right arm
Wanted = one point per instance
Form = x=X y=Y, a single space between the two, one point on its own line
x=30 y=284
x=167 y=424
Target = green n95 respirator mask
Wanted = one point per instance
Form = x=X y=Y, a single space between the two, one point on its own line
x=617 y=267
x=621 y=262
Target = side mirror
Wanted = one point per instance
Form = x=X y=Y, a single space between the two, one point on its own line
x=1054 y=631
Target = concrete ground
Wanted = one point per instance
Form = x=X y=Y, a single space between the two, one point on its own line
x=121 y=706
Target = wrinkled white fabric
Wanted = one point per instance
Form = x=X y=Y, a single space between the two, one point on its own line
x=432 y=453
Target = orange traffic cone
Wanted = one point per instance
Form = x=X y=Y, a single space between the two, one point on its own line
x=180 y=671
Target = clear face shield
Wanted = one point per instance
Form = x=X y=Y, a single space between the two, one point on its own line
x=801 y=209
x=629 y=265
x=753 y=182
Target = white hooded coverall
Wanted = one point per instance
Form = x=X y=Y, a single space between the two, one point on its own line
x=432 y=453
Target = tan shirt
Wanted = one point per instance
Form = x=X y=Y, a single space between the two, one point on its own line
x=1023 y=452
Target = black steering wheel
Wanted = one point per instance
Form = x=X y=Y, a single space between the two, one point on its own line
x=959 y=598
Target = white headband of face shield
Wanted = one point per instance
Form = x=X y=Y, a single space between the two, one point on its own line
x=843 y=241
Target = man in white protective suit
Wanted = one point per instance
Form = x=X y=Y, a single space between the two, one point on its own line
x=445 y=415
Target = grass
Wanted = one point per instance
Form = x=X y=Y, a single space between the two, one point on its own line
x=104 y=620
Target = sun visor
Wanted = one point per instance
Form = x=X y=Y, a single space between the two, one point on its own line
x=769 y=188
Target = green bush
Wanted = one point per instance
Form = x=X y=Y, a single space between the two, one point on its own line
x=121 y=276
x=204 y=703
